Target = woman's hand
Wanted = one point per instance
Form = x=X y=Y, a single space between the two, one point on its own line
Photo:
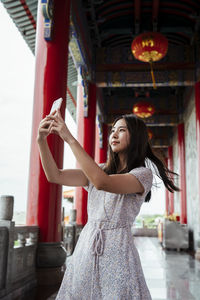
x=44 y=129
x=59 y=127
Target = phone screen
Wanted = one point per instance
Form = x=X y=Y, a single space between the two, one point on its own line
x=56 y=105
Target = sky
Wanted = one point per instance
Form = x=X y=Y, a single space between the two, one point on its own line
x=17 y=65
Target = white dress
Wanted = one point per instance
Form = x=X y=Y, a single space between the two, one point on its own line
x=105 y=264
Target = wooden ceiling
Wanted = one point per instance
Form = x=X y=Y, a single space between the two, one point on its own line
x=123 y=80
x=109 y=28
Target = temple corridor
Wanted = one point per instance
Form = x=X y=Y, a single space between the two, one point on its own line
x=106 y=59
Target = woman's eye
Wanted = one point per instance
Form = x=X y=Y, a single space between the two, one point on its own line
x=122 y=129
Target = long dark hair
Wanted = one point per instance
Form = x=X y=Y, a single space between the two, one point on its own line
x=138 y=153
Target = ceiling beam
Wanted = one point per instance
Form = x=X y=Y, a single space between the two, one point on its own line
x=133 y=67
x=127 y=31
x=160 y=143
x=162 y=120
x=129 y=111
x=165 y=75
x=156 y=120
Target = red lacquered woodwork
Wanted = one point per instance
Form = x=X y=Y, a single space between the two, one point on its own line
x=86 y=136
x=166 y=194
x=197 y=105
x=171 y=167
x=97 y=146
x=181 y=150
x=103 y=151
x=44 y=198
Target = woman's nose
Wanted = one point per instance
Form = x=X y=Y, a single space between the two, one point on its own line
x=115 y=134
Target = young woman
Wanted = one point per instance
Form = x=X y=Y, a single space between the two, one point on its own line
x=105 y=264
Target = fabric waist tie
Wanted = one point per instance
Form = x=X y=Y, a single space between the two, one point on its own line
x=98 y=246
x=97 y=250
x=98 y=243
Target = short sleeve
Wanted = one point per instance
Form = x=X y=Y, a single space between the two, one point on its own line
x=145 y=177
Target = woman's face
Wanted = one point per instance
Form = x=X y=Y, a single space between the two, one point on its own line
x=119 y=137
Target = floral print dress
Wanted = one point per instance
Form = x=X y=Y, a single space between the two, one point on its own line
x=105 y=264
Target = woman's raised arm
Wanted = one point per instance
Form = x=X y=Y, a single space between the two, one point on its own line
x=118 y=183
x=65 y=177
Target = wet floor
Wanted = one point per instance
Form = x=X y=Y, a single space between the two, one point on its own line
x=170 y=275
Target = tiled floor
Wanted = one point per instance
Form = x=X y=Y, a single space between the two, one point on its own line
x=170 y=275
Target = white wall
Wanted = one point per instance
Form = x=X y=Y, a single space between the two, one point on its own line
x=192 y=193
x=176 y=170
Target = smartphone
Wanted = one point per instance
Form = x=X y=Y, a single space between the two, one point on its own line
x=56 y=105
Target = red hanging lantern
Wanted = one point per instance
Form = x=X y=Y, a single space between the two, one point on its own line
x=150 y=47
x=143 y=109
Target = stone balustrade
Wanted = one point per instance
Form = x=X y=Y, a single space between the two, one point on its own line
x=18 y=246
x=26 y=235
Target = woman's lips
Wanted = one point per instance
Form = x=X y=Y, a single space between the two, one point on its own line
x=114 y=143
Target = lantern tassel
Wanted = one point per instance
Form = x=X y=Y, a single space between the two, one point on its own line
x=152 y=76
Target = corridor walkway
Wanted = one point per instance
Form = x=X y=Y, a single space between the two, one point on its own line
x=170 y=275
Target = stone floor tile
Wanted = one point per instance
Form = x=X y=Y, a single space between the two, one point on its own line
x=175 y=275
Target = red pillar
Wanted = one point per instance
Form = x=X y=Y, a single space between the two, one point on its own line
x=167 y=202
x=86 y=137
x=97 y=146
x=44 y=198
x=101 y=150
x=181 y=150
x=171 y=167
x=197 y=104
x=166 y=194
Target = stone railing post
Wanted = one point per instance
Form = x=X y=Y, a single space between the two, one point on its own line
x=6 y=214
x=17 y=260
x=6 y=208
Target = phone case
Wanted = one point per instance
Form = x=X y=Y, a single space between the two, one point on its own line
x=56 y=105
